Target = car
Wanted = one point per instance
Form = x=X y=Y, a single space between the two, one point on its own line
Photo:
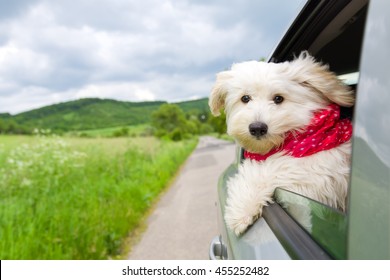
x=353 y=38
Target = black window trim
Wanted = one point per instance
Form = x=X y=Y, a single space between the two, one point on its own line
x=315 y=15
x=294 y=239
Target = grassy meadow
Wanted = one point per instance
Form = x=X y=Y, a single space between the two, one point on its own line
x=131 y=130
x=79 y=198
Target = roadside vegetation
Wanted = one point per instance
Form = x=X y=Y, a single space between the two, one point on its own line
x=79 y=198
x=79 y=195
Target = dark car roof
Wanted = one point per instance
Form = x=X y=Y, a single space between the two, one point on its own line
x=316 y=29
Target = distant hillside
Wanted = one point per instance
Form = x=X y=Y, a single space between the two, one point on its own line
x=200 y=105
x=93 y=113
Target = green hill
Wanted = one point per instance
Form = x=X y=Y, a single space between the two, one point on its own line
x=200 y=105
x=94 y=113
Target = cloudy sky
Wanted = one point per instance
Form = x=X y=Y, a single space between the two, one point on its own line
x=56 y=51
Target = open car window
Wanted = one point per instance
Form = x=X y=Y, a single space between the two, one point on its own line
x=326 y=225
x=338 y=43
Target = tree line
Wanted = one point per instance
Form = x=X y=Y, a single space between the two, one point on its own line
x=11 y=127
x=171 y=122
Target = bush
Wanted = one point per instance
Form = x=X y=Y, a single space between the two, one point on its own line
x=124 y=131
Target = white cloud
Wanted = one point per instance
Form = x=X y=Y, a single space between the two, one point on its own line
x=22 y=64
x=128 y=50
x=26 y=98
x=121 y=91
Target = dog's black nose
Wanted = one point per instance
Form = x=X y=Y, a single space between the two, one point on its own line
x=258 y=129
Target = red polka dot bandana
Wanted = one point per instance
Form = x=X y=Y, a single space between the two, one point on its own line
x=325 y=132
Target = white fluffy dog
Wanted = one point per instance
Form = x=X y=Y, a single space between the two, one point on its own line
x=286 y=117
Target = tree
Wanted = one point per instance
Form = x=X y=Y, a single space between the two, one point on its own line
x=11 y=127
x=218 y=123
x=169 y=121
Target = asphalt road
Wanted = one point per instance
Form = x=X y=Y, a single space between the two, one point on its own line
x=185 y=218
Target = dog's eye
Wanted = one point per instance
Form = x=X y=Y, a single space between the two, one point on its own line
x=278 y=99
x=245 y=98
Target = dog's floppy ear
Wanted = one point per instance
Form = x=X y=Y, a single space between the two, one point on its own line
x=219 y=92
x=317 y=76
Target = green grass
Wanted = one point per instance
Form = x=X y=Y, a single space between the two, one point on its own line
x=132 y=130
x=79 y=198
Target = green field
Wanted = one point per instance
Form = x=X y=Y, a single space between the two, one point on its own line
x=131 y=130
x=79 y=198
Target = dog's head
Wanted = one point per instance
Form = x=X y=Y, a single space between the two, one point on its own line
x=263 y=101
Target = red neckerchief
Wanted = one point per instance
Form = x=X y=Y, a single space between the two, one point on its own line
x=325 y=132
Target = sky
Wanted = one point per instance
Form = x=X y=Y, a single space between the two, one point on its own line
x=129 y=50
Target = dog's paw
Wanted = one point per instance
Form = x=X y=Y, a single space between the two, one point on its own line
x=239 y=226
x=238 y=223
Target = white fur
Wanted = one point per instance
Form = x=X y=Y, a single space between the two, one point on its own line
x=306 y=86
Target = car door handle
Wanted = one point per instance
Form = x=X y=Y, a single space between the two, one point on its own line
x=217 y=250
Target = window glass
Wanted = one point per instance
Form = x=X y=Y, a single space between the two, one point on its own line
x=326 y=225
